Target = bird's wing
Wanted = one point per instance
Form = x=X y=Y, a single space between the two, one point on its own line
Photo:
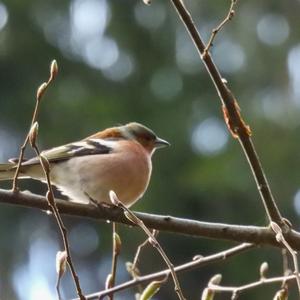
x=81 y=148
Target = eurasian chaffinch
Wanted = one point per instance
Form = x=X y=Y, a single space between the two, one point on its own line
x=117 y=158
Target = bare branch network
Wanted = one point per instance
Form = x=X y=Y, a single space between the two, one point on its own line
x=278 y=234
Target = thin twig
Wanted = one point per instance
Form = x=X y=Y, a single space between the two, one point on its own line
x=232 y=116
x=61 y=262
x=286 y=272
x=31 y=137
x=282 y=294
x=57 y=287
x=236 y=290
x=140 y=247
x=199 y=262
x=115 y=254
x=40 y=92
x=285 y=262
x=216 y=30
x=281 y=239
x=132 y=268
x=134 y=219
x=51 y=201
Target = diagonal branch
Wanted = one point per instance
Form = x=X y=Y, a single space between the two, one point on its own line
x=232 y=116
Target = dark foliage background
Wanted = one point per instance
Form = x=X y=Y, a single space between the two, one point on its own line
x=122 y=61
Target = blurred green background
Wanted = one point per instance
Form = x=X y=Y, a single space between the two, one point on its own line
x=122 y=61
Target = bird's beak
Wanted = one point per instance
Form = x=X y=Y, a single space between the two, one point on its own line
x=160 y=143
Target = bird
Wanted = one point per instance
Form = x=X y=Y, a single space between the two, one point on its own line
x=117 y=159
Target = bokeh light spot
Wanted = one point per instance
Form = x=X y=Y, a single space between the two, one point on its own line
x=166 y=84
x=234 y=59
x=88 y=17
x=293 y=63
x=10 y=147
x=273 y=29
x=3 y=15
x=272 y=105
x=209 y=137
x=187 y=57
x=297 y=202
x=84 y=238
x=101 y=53
x=150 y=18
x=33 y=279
x=121 y=69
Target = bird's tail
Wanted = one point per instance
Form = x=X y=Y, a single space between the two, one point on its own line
x=7 y=171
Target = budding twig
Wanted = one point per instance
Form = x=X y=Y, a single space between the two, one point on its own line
x=215 y=31
x=51 y=201
x=235 y=291
x=61 y=261
x=202 y=261
x=116 y=249
x=132 y=267
x=135 y=220
x=140 y=247
x=281 y=239
x=233 y=117
x=32 y=139
x=40 y=92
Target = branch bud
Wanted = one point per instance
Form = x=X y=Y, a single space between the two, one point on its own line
x=137 y=296
x=275 y=227
x=41 y=91
x=117 y=243
x=216 y=279
x=33 y=133
x=231 y=14
x=263 y=270
x=132 y=269
x=50 y=198
x=114 y=198
x=132 y=218
x=53 y=69
x=108 y=281
x=151 y=289
x=61 y=263
x=207 y=294
x=45 y=163
x=281 y=295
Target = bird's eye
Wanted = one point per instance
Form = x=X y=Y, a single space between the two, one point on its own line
x=150 y=138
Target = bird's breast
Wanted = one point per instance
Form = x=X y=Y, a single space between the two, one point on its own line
x=126 y=171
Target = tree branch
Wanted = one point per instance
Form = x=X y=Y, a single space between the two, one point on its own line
x=238 y=233
x=200 y=262
x=232 y=115
x=236 y=290
x=152 y=239
x=216 y=30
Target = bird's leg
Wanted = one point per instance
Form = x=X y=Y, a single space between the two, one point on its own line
x=98 y=204
x=92 y=201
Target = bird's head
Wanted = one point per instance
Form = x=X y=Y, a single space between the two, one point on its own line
x=145 y=136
